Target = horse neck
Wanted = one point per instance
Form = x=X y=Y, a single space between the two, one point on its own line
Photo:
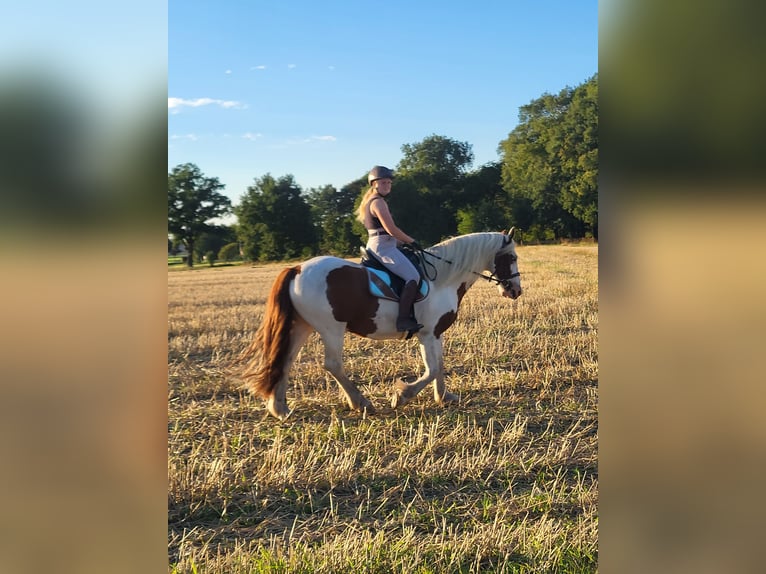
x=470 y=254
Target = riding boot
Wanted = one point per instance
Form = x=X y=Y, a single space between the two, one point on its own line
x=405 y=322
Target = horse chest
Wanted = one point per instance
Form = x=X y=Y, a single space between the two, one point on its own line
x=448 y=312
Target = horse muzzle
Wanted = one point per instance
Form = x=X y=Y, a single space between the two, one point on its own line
x=512 y=292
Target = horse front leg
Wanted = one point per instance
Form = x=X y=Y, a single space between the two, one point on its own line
x=441 y=396
x=432 y=353
x=333 y=362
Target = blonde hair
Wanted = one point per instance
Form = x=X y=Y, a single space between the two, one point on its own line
x=365 y=200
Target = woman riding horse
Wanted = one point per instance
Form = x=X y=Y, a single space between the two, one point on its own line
x=383 y=235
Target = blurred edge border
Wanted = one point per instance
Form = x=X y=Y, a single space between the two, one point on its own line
x=83 y=400
x=682 y=220
x=681 y=182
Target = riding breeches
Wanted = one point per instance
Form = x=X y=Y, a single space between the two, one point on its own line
x=384 y=247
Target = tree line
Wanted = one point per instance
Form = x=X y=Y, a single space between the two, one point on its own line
x=545 y=183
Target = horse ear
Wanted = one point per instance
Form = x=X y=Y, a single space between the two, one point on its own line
x=511 y=231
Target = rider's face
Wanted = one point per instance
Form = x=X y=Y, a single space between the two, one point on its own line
x=384 y=186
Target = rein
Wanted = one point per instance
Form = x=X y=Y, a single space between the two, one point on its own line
x=506 y=283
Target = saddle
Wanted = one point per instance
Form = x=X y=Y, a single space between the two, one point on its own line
x=386 y=285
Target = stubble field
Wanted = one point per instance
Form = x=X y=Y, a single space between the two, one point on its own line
x=504 y=481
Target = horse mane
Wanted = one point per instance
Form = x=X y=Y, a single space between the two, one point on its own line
x=470 y=252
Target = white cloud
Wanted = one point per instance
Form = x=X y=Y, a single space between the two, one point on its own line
x=291 y=66
x=311 y=139
x=251 y=136
x=331 y=68
x=191 y=137
x=177 y=103
x=258 y=67
x=227 y=72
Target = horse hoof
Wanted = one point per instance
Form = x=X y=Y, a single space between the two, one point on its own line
x=398 y=400
x=448 y=398
x=282 y=416
x=364 y=406
x=278 y=410
x=368 y=410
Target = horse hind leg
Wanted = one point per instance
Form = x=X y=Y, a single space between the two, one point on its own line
x=277 y=401
x=333 y=362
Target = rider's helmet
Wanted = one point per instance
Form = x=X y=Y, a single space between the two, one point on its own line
x=379 y=172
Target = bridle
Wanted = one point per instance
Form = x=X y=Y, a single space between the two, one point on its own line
x=505 y=282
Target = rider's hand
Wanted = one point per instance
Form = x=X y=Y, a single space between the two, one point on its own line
x=415 y=245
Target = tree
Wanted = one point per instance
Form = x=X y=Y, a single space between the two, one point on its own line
x=334 y=215
x=229 y=252
x=443 y=158
x=579 y=193
x=485 y=202
x=275 y=220
x=214 y=239
x=193 y=200
x=429 y=185
x=417 y=211
x=550 y=161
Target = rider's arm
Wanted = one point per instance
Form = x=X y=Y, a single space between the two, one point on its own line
x=380 y=210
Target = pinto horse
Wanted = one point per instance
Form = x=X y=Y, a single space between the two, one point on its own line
x=331 y=296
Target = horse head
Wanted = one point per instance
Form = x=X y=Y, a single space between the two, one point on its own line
x=506 y=267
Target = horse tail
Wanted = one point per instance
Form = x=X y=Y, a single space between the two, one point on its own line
x=268 y=352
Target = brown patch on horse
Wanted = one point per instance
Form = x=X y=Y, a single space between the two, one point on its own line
x=503 y=265
x=460 y=292
x=267 y=353
x=351 y=301
x=444 y=323
x=446 y=320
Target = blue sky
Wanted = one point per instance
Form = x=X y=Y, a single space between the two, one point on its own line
x=325 y=90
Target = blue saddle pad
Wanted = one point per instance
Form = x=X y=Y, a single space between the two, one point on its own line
x=381 y=286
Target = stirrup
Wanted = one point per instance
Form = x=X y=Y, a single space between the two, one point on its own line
x=408 y=324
